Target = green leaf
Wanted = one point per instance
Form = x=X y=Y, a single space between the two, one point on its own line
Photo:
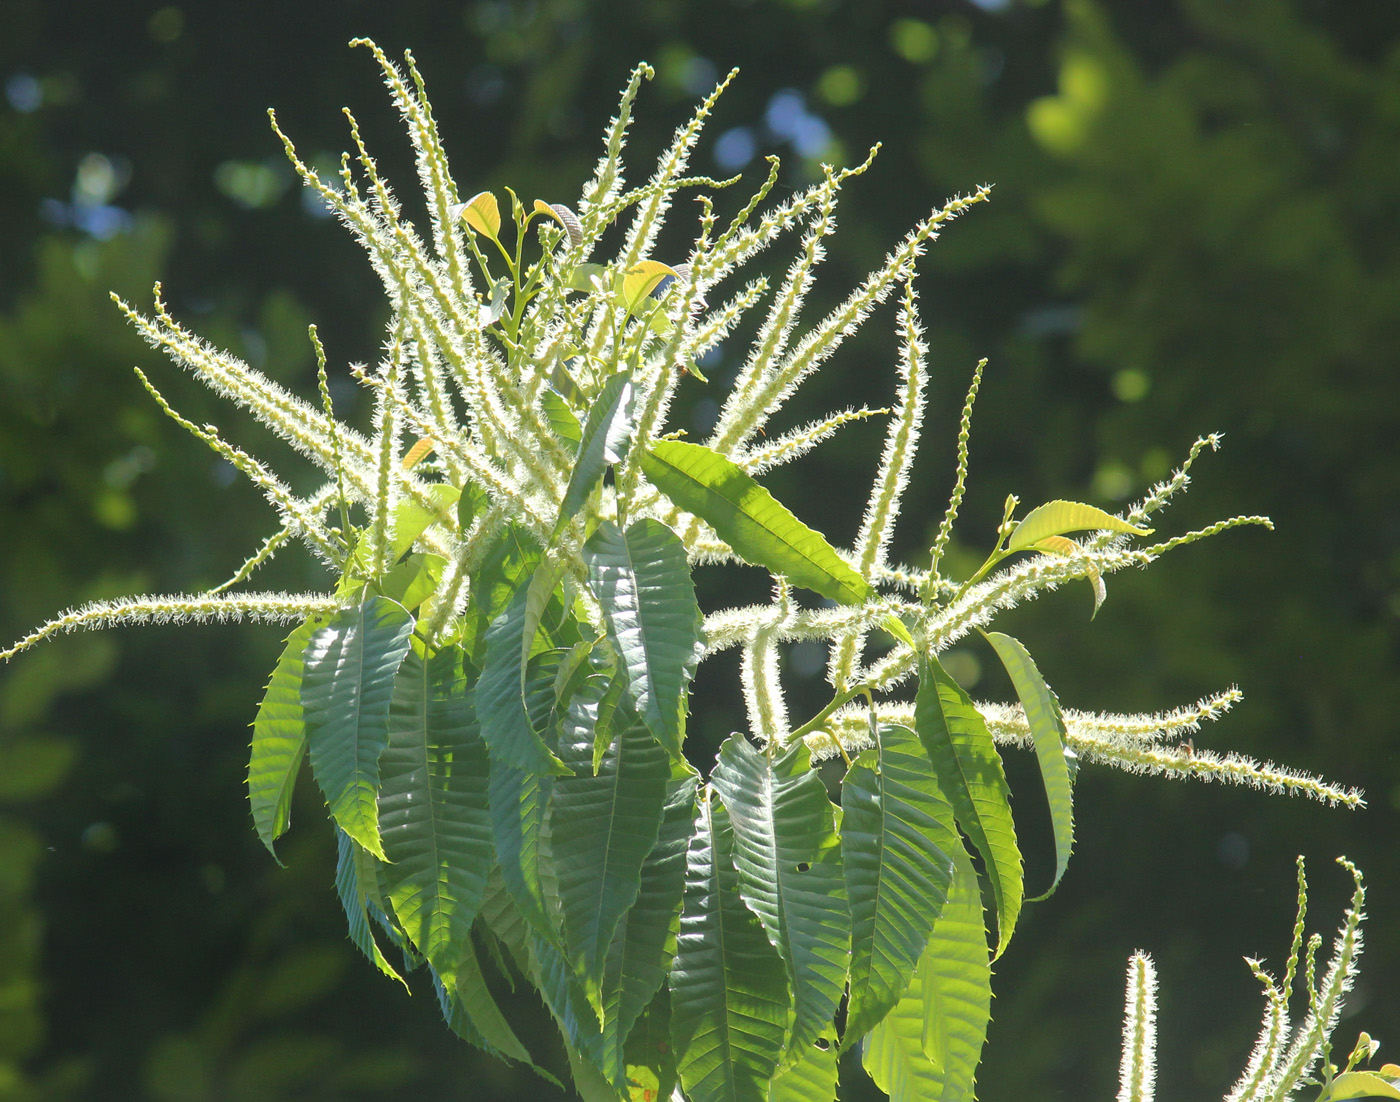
x=502 y=699
x=433 y=812
x=645 y=942
x=651 y=1060
x=898 y=839
x=1060 y=545
x=507 y=568
x=813 y=1077
x=893 y=1052
x=347 y=684
x=351 y=863
x=957 y=987
x=607 y=436
x=729 y=998
x=562 y=419
x=969 y=771
x=642 y=279
x=279 y=742
x=642 y=582
x=1055 y=518
x=1048 y=733
x=411 y=518
x=603 y=827
x=471 y=1012
x=789 y=860
x=414 y=580
x=1360 y=1084
x=760 y=530
x=518 y=801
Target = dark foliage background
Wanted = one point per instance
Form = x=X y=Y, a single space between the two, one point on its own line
x=1196 y=227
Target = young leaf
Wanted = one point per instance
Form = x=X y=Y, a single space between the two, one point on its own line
x=898 y=839
x=642 y=582
x=789 y=861
x=642 y=279
x=433 y=812
x=353 y=898
x=748 y=518
x=481 y=213
x=645 y=942
x=607 y=435
x=411 y=518
x=1055 y=518
x=604 y=826
x=1060 y=545
x=279 y=743
x=565 y=217
x=1048 y=733
x=969 y=771
x=729 y=998
x=502 y=699
x=957 y=985
x=1360 y=1084
x=346 y=688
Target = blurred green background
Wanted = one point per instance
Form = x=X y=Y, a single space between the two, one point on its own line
x=1195 y=227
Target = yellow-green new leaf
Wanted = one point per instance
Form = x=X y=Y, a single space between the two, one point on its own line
x=1360 y=1084
x=759 y=529
x=279 y=743
x=641 y=280
x=1048 y=733
x=481 y=213
x=970 y=773
x=1055 y=518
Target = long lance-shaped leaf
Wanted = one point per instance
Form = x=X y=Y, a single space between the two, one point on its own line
x=501 y=697
x=518 y=801
x=1048 y=733
x=760 y=529
x=607 y=436
x=969 y=771
x=729 y=995
x=279 y=743
x=346 y=688
x=645 y=943
x=642 y=582
x=651 y=1059
x=603 y=827
x=1055 y=518
x=813 y=1077
x=353 y=898
x=507 y=568
x=898 y=838
x=893 y=1052
x=957 y=985
x=433 y=811
x=789 y=860
x=471 y=1012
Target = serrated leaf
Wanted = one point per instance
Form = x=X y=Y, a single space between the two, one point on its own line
x=893 y=1052
x=471 y=1012
x=650 y=1058
x=813 y=1077
x=421 y=449
x=518 y=800
x=482 y=214
x=898 y=838
x=789 y=860
x=508 y=566
x=1048 y=733
x=414 y=580
x=606 y=438
x=729 y=997
x=353 y=898
x=645 y=942
x=565 y=217
x=643 y=584
x=502 y=703
x=604 y=826
x=1054 y=518
x=587 y=277
x=1060 y=545
x=433 y=813
x=759 y=529
x=279 y=743
x=347 y=684
x=561 y=418
x=642 y=279
x=969 y=772
x=957 y=987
